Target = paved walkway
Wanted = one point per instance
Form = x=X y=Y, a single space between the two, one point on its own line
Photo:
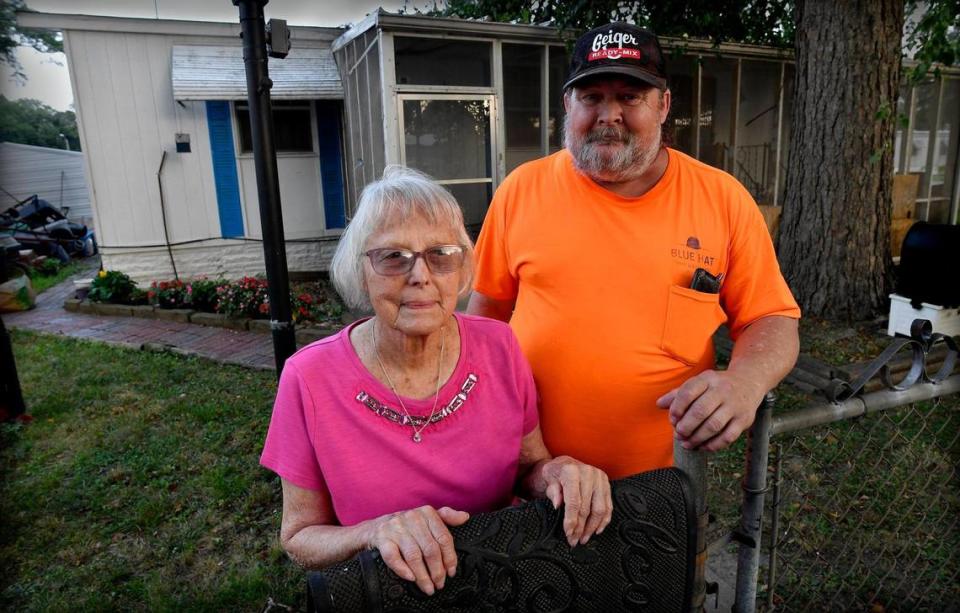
x=251 y=349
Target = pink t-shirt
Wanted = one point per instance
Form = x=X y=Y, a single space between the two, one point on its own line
x=326 y=431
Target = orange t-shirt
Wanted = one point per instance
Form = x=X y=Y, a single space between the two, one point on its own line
x=604 y=312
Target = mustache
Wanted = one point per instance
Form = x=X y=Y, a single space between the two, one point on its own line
x=608 y=134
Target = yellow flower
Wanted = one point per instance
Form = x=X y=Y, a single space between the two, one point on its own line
x=102 y=274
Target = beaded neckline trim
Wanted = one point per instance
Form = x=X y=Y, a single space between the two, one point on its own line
x=416 y=420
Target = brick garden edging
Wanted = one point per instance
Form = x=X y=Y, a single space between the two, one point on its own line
x=304 y=335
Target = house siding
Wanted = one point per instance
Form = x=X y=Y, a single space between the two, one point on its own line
x=128 y=120
x=55 y=175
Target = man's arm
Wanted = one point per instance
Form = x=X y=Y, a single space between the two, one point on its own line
x=485 y=306
x=709 y=411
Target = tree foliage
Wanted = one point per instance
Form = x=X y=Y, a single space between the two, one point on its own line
x=12 y=37
x=932 y=33
x=31 y=122
x=762 y=22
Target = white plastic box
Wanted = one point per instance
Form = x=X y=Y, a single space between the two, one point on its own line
x=945 y=321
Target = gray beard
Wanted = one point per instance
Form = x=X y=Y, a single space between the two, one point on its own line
x=626 y=164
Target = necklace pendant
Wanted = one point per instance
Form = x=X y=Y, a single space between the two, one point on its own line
x=416 y=437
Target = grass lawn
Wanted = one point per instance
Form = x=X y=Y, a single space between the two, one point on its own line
x=136 y=486
x=44 y=282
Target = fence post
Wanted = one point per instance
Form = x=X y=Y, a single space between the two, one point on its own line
x=774 y=524
x=751 y=517
x=694 y=465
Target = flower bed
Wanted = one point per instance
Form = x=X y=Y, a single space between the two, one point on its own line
x=313 y=302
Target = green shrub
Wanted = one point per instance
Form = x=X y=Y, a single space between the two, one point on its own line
x=138 y=296
x=246 y=297
x=48 y=267
x=168 y=294
x=112 y=286
x=202 y=294
x=314 y=302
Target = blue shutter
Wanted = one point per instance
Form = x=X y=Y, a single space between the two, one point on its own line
x=331 y=162
x=224 y=168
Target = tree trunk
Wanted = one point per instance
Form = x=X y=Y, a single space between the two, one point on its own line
x=834 y=233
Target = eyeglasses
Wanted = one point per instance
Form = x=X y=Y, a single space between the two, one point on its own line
x=441 y=259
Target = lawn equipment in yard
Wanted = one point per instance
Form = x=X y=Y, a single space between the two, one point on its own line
x=36 y=224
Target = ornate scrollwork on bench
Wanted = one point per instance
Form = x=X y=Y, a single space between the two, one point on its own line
x=517 y=559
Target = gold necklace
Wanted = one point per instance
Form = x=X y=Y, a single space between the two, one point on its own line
x=416 y=433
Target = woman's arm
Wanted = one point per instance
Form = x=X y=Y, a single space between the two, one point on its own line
x=414 y=544
x=584 y=489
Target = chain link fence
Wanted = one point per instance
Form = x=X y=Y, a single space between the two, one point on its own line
x=864 y=514
x=862 y=494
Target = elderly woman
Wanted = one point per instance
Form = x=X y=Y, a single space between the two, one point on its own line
x=404 y=423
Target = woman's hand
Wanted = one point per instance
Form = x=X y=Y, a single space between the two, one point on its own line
x=417 y=545
x=585 y=490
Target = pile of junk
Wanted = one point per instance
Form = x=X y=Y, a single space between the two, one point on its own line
x=32 y=230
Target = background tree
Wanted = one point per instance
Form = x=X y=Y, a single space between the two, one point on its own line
x=834 y=232
x=12 y=37
x=33 y=123
x=760 y=22
x=835 y=227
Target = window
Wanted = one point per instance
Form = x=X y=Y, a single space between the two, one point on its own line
x=292 y=126
x=442 y=61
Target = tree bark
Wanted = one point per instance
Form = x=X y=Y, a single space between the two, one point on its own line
x=834 y=233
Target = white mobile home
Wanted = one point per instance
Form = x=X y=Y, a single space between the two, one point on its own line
x=163 y=124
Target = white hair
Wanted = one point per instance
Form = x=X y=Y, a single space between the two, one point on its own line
x=399 y=195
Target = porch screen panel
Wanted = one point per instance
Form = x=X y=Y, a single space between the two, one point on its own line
x=755 y=164
x=473 y=198
x=903 y=121
x=922 y=143
x=450 y=139
x=521 y=100
x=224 y=168
x=683 y=72
x=945 y=154
x=440 y=61
x=789 y=74
x=717 y=91
x=559 y=67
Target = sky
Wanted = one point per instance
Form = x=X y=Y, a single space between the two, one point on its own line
x=48 y=78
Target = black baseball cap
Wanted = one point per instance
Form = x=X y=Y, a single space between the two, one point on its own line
x=618 y=49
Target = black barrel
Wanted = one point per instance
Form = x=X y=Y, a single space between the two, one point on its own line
x=928 y=265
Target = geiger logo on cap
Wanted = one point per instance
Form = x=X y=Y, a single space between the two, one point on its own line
x=601 y=41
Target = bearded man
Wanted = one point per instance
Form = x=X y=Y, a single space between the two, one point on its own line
x=616 y=259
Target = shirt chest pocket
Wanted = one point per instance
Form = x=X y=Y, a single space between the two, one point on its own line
x=691 y=319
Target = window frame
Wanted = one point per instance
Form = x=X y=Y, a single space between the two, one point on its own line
x=301 y=104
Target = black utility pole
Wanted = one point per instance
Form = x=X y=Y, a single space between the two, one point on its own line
x=265 y=159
